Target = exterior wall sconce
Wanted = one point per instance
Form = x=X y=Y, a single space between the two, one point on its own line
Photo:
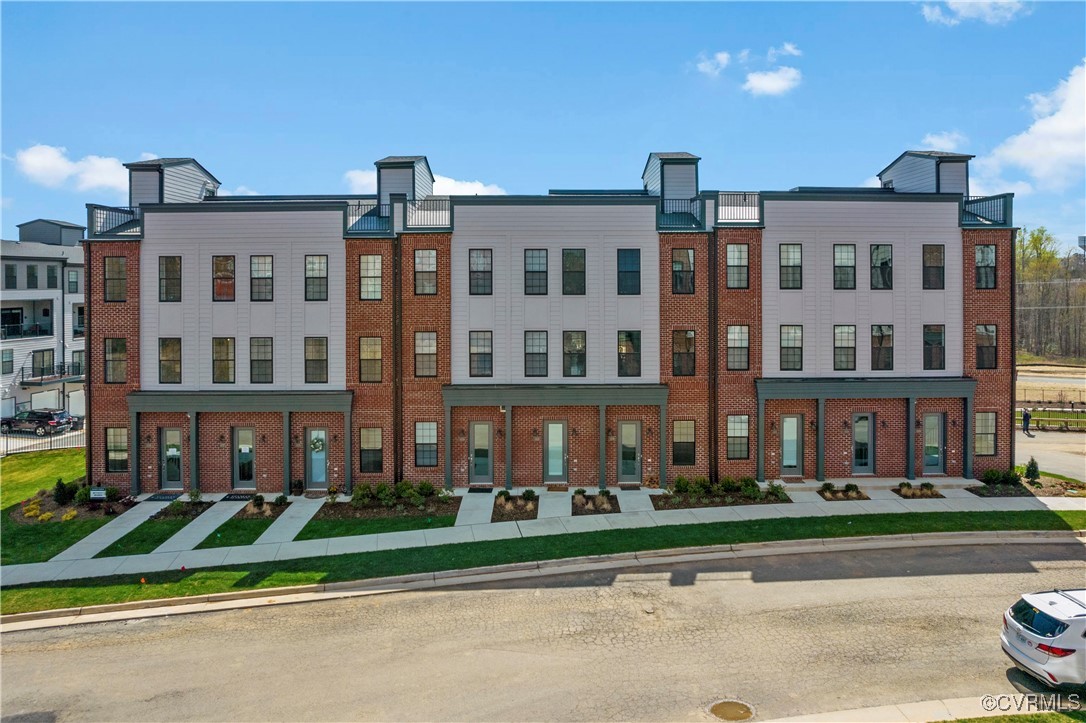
x=461 y=434
x=610 y=435
x=573 y=432
x=147 y=438
x=648 y=431
x=773 y=425
x=919 y=424
x=335 y=437
x=500 y=433
x=263 y=438
x=814 y=425
x=535 y=435
x=222 y=441
x=297 y=439
x=883 y=424
x=846 y=424
x=953 y=422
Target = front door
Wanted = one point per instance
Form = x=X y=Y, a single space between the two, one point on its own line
x=170 y=462
x=934 y=434
x=480 y=454
x=244 y=458
x=316 y=459
x=863 y=448
x=555 y=453
x=792 y=445
x=629 y=453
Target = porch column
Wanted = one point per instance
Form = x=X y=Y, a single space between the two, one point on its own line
x=910 y=438
x=509 y=447
x=760 y=431
x=347 y=462
x=603 y=446
x=663 y=445
x=967 y=437
x=448 y=447
x=134 y=442
x=194 y=451
x=820 y=444
x=286 y=452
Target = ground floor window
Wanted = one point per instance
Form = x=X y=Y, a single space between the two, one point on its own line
x=116 y=449
x=682 y=443
x=738 y=436
x=370 y=449
x=985 y=440
x=426 y=444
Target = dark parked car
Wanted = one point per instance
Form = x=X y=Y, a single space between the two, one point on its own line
x=39 y=421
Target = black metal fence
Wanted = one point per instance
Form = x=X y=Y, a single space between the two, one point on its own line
x=50 y=373
x=113 y=221
x=987 y=210
x=19 y=442
x=680 y=213
x=368 y=216
x=738 y=207
x=429 y=213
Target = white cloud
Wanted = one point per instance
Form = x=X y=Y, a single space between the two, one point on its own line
x=944 y=141
x=365 y=182
x=993 y=12
x=50 y=166
x=6 y=202
x=773 y=82
x=785 y=49
x=711 y=66
x=239 y=191
x=744 y=56
x=872 y=182
x=1051 y=152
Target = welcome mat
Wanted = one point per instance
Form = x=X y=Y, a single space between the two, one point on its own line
x=484 y=490
x=237 y=497
x=164 y=497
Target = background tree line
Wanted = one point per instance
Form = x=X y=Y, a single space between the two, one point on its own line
x=1051 y=300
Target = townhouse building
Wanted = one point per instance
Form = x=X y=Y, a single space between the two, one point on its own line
x=588 y=337
x=42 y=317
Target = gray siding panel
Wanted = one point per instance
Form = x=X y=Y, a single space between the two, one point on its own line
x=143 y=186
x=395 y=180
x=185 y=183
x=954 y=178
x=423 y=185
x=680 y=180
x=652 y=176
x=912 y=174
x=41 y=232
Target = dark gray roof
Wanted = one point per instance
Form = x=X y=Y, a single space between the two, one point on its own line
x=35 y=250
x=163 y=162
x=401 y=159
x=676 y=156
x=65 y=224
x=934 y=155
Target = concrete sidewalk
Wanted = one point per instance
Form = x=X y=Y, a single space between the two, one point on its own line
x=197 y=531
x=109 y=533
x=287 y=526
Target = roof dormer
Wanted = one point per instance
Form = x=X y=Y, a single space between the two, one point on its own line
x=671 y=175
x=928 y=172
x=409 y=175
x=169 y=180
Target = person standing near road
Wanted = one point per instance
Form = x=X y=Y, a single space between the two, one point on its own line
x=1025 y=422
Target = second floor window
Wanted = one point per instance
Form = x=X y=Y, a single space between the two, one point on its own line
x=882 y=266
x=573 y=266
x=222 y=360
x=11 y=278
x=844 y=266
x=791 y=266
x=682 y=353
x=629 y=353
x=116 y=358
x=31 y=276
x=535 y=353
x=481 y=353
x=682 y=271
x=316 y=278
x=934 y=266
x=629 y=272
x=169 y=361
x=73 y=281
x=791 y=348
x=425 y=353
x=738 y=268
x=844 y=348
x=986 y=266
x=574 y=357
x=369 y=275
x=316 y=360
x=425 y=272
x=882 y=347
x=51 y=280
x=169 y=278
x=480 y=272
x=738 y=348
x=986 y=346
x=369 y=359
x=222 y=278
x=7 y=361
x=934 y=346
x=261 y=280
x=115 y=278
x=535 y=272
x=261 y=369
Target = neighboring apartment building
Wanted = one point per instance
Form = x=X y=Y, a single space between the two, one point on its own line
x=42 y=319
x=587 y=337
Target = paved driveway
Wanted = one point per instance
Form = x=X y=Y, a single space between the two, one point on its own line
x=791 y=635
x=1060 y=452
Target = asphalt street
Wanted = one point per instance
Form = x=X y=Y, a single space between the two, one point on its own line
x=789 y=635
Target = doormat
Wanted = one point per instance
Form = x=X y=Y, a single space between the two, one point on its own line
x=164 y=497
x=629 y=488
x=558 y=488
x=484 y=490
x=237 y=497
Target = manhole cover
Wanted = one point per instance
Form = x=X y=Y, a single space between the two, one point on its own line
x=731 y=710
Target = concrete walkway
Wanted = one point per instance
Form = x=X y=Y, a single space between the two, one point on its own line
x=636 y=506
x=109 y=533
x=197 y=531
x=922 y=711
x=475 y=509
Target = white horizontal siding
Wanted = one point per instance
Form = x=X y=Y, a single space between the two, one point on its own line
x=652 y=176
x=423 y=185
x=395 y=180
x=680 y=180
x=184 y=183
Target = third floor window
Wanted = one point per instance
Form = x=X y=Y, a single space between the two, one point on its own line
x=425 y=272
x=682 y=271
x=480 y=272
x=169 y=278
x=738 y=268
x=222 y=278
x=682 y=353
x=882 y=266
x=986 y=266
x=844 y=266
x=369 y=274
x=791 y=256
x=934 y=266
x=629 y=272
x=882 y=347
x=573 y=266
x=535 y=272
x=261 y=280
x=316 y=278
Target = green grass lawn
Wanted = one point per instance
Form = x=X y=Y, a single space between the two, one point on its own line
x=236 y=532
x=146 y=537
x=1064 y=717
x=319 y=529
x=173 y=583
x=21 y=476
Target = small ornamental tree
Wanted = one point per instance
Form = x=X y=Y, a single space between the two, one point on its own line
x=1033 y=472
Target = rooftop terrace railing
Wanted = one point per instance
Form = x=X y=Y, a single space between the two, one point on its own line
x=738 y=207
x=368 y=217
x=25 y=331
x=987 y=210
x=680 y=213
x=113 y=221
x=45 y=374
x=429 y=213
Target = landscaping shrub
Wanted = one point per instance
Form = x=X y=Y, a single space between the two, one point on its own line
x=404 y=489
x=927 y=486
x=700 y=486
x=82 y=497
x=503 y=494
x=604 y=493
x=45 y=517
x=69 y=515
x=361 y=495
x=258 y=501
x=905 y=486
x=113 y=494
x=64 y=493
x=750 y=488
x=1011 y=477
x=852 y=488
x=528 y=495
x=776 y=490
x=1033 y=472
x=280 y=501
x=580 y=491
x=426 y=489
x=681 y=486
x=174 y=509
x=992 y=477
x=827 y=487
x=385 y=494
x=333 y=493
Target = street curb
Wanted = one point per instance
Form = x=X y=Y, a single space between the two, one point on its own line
x=517 y=570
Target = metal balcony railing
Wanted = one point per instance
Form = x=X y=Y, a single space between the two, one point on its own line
x=738 y=207
x=676 y=213
x=429 y=213
x=368 y=217
x=987 y=210
x=33 y=374
x=24 y=331
x=78 y=331
x=111 y=221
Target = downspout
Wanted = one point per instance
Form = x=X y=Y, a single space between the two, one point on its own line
x=88 y=343
x=1014 y=343
x=714 y=359
x=397 y=359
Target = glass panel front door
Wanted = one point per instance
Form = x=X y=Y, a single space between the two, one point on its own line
x=629 y=452
x=316 y=459
x=171 y=459
x=933 y=444
x=863 y=459
x=480 y=454
x=244 y=459
x=792 y=445
x=554 y=452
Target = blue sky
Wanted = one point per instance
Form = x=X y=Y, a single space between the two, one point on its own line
x=302 y=98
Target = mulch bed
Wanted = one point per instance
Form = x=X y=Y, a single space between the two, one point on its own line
x=842 y=496
x=187 y=509
x=1050 y=487
x=918 y=494
x=684 y=502
x=515 y=511
x=86 y=512
x=266 y=512
x=344 y=510
x=591 y=505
